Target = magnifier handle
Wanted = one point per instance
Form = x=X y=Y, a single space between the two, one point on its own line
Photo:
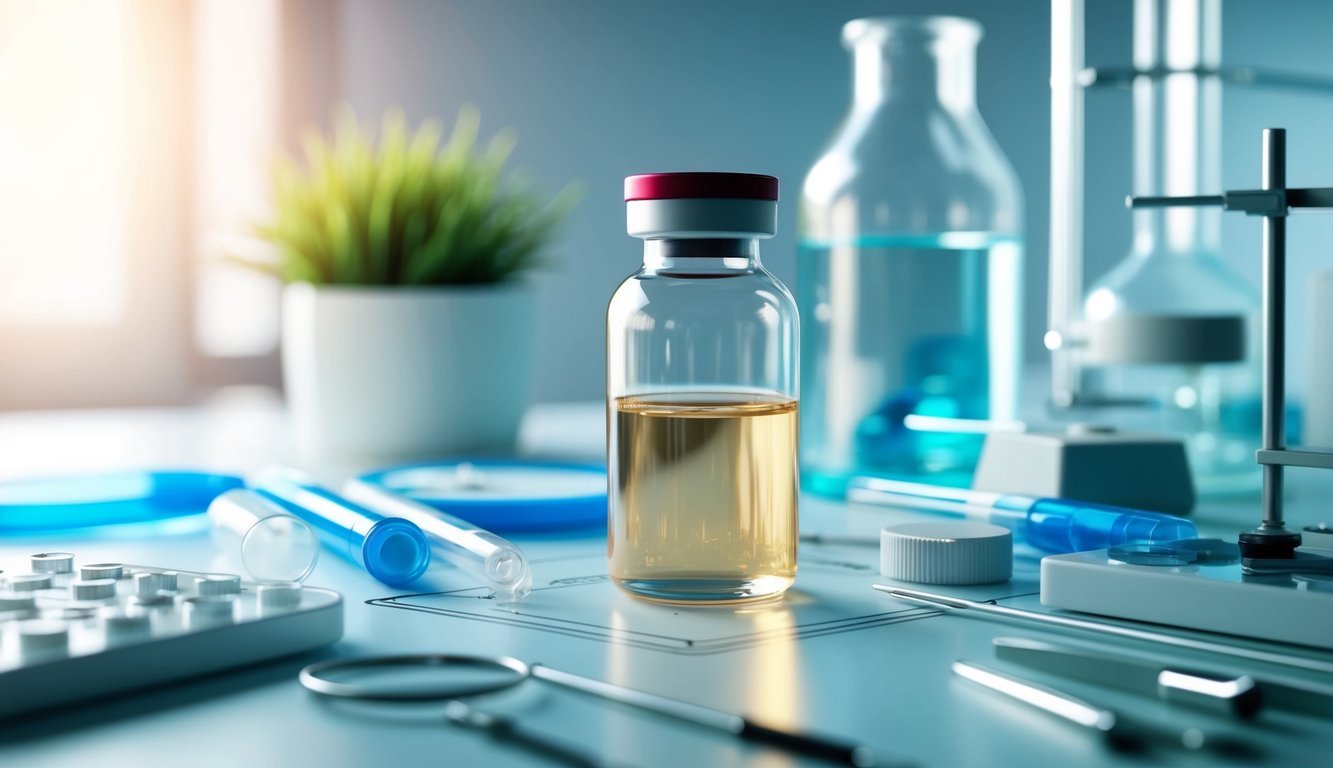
x=814 y=746
x=726 y=722
x=506 y=729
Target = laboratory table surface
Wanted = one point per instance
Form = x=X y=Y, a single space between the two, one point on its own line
x=833 y=657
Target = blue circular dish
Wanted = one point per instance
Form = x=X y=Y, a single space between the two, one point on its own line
x=504 y=495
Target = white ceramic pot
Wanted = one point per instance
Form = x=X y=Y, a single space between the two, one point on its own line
x=382 y=375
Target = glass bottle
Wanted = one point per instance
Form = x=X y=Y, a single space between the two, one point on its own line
x=909 y=268
x=702 y=396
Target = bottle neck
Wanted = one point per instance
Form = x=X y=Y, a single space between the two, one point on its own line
x=918 y=69
x=701 y=256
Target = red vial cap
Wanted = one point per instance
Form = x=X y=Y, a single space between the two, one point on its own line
x=678 y=186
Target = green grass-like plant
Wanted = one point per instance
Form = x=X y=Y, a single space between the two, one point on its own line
x=409 y=211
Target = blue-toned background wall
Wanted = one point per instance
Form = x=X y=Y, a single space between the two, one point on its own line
x=599 y=89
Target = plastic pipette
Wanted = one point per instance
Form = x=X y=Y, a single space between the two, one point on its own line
x=393 y=550
x=479 y=552
x=1050 y=525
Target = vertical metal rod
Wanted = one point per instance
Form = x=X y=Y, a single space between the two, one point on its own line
x=1274 y=322
x=1066 y=244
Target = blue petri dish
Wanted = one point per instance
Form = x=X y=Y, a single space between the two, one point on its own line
x=504 y=495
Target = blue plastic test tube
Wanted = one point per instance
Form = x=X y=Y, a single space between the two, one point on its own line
x=393 y=550
x=1051 y=525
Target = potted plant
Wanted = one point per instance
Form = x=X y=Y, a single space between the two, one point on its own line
x=408 y=330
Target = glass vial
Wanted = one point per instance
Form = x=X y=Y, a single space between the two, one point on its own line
x=909 y=268
x=702 y=396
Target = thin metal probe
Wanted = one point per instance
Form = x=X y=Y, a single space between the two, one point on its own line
x=990 y=610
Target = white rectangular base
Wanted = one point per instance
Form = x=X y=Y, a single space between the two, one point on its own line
x=1215 y=598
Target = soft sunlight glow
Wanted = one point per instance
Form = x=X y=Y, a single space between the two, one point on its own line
x=62 y=151
x=236 y=109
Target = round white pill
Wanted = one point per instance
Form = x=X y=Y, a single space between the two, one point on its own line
x=148 y=584
x=30 y=582
x=101 y=571
x=94 y=589
x=17 y=601
x=217 y=585
x=43 y=635
x=279 y=596
x=53 y=562
x=121 y=626
x=203 y=612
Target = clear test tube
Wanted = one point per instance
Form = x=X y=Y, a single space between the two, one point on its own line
x=271 y=544
x=475 y=550
x=392 y=549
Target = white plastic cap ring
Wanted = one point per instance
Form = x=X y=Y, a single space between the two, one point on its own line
x=947 y=552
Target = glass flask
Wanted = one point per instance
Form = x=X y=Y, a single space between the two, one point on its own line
x=1170 y=335
x=909 y=267
x=702 y=397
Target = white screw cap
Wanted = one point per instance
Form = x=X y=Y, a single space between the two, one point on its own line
x=947 y=552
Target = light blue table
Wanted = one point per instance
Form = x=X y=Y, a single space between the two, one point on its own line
x=877 y=673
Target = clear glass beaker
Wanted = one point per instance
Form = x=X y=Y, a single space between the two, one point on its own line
x=909 y=269
x=702 y=397
x=1169 y=341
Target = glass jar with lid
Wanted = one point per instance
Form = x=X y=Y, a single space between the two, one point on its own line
x=702 y=346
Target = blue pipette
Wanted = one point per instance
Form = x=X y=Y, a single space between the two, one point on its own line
x=391 y=549
x=1051 y=525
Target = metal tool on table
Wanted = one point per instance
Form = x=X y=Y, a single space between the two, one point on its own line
x=989 y=610
x=1235 y=695
x=465 y=676
x=506 y=729
x=1120 y=732
x=1241 y=696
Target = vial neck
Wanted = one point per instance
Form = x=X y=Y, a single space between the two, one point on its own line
x=921 y=70
x=695 y=256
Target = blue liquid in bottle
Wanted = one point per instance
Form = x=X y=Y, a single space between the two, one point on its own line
x=909 y=352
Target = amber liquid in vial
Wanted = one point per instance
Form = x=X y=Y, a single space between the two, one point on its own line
x=704 y=496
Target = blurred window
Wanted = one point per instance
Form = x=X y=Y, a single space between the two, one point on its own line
x=135 y=137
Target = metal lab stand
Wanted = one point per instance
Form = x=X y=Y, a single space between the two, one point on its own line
x=1271 y=540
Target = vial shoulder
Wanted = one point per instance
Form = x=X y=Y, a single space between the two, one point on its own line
x=711 y=299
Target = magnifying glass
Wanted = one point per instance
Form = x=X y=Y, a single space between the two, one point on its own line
x=454 y=677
